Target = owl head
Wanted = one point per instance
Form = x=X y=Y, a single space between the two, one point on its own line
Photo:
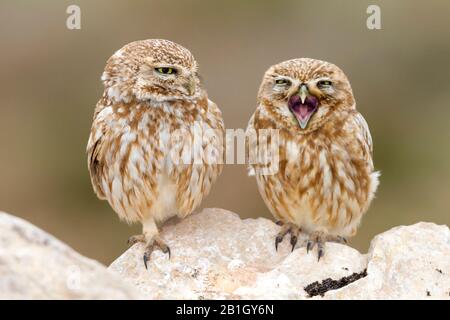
x=304 y=93
x=155 y=69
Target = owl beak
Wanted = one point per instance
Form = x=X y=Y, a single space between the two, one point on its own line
x=303 y=93
x=190 y=85
x=303 y=105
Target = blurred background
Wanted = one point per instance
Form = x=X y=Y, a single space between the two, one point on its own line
x=50 y=83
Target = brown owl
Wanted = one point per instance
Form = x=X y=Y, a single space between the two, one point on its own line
x=325 y=180
x=142 y=155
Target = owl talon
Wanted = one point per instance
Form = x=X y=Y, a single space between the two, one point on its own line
x=166 y=250
x=278 y=239
x=319 y=239
x=294 y=240
x=135 y=239
x=156 y=242
x=320 y=251
x=146 y=258
x=342 y=240
x=309 y=246
x=285 y=229
x=337 y=239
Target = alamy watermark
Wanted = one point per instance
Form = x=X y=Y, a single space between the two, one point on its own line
x=374 y=20
x=73 y=21
x=197 y=145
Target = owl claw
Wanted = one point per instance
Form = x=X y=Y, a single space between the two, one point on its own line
x=135 y=239
x=146 y=258
x=309 y=246
x=337 y=239
x=167 y=250
x=294 y=240
x=342 y=240
x=156 y=242
x=320 y=251
x=278 y=239
x=285 y=229
x=319 y=239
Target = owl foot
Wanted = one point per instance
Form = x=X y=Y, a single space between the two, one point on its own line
x=339 y=239
x=318 y=238
x=135 y=239
x=285 y=229
x=155 y=242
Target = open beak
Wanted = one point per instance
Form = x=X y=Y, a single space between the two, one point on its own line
x=303 y=105
x=303 y=93
x=190 y=85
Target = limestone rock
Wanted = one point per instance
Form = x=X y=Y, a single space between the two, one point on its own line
x=215 y=255
x=35 y=265
x=407 y=262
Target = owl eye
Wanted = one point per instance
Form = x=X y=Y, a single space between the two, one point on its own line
x=324 y=83
x=166 y=70
x=282 y=82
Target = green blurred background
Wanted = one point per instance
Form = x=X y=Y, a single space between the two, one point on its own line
x=49 y=80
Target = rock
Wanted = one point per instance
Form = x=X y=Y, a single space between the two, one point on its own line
x=216 y=255
x=35 y=265
x=407 y=262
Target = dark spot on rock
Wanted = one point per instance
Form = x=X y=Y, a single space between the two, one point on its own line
x=346 y=269
x=195 y=273
x=428 y=293
x=317 y=288
x=440 y=271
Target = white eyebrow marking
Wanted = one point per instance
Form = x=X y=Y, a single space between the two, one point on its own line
x=323 y=79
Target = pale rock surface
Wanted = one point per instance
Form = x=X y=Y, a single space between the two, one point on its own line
x=215 y=255
x=35 y=265
x=406 y=262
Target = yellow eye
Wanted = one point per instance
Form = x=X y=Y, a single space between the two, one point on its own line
x=324 y=83
x=166 y=70
x=282 y=81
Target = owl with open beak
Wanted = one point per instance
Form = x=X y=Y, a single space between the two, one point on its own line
x=325 y=178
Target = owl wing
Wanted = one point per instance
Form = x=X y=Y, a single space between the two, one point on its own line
x=215 y=166
x=360 y=128
x=194 y=180
x=251 y=144
x=96 y=152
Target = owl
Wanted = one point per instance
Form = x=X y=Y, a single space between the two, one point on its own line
x=154 y=149
x=324 y=179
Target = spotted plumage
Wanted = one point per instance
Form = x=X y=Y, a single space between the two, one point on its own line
x=325 y=180
x=142 y=152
